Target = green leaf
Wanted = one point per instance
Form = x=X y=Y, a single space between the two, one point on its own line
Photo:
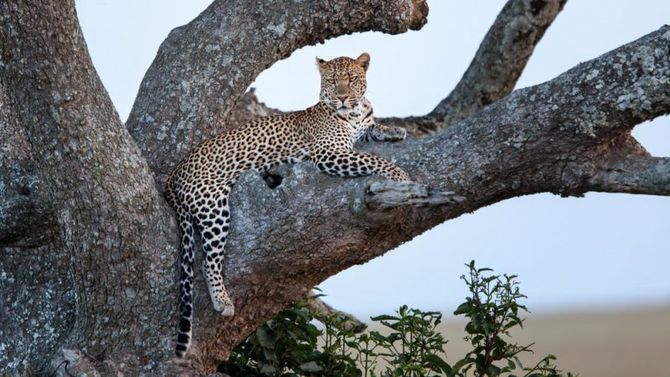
x=437 y=361
x=493 y=371
x=268 y=369
x=463 y=308
x=311 y=367
x=460 y=364
x=265 y=338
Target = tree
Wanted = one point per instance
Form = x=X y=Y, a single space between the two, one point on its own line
x=89 y=244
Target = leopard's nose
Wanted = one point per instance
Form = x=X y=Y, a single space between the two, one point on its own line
x=342 y=98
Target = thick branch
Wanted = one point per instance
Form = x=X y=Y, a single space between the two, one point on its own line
x=501 y=58
x=390 y=194
x=204 y=67
x=539 y=139
x=634 y=175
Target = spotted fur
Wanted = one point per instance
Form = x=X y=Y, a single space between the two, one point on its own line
x=324 y=134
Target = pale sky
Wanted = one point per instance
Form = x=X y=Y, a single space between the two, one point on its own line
x=604 y=250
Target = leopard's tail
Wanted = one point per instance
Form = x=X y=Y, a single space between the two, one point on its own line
x=186 y=282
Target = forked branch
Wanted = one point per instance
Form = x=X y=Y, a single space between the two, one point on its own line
x=498 y=63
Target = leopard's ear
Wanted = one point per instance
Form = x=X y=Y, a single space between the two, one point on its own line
x=320 y=63
x=364 y=60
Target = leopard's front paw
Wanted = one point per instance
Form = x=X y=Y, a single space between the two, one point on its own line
x=396 y=134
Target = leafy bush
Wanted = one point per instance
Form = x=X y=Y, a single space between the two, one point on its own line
x=493 y=310
x=287 y=345
x=292 y=345
x=413 y=346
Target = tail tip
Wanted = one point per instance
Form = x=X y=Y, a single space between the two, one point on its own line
x=180 y=350
x=183 y=342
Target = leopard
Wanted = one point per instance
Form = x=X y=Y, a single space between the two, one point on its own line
x=324 y=134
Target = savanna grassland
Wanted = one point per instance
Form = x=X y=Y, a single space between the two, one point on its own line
x=614 y=343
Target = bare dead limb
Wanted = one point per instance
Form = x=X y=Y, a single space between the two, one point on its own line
x=390 y=194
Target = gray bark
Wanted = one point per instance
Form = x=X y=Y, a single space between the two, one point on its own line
x=88 y=244
x=85 y=233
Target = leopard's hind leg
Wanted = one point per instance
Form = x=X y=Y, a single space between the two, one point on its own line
x=213 y=224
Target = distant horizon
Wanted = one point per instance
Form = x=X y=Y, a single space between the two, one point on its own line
x=550 y=311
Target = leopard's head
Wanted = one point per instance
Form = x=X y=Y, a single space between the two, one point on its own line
x=343 y=81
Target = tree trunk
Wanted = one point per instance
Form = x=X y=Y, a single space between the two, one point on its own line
x=89 y=245
x=86 y=235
